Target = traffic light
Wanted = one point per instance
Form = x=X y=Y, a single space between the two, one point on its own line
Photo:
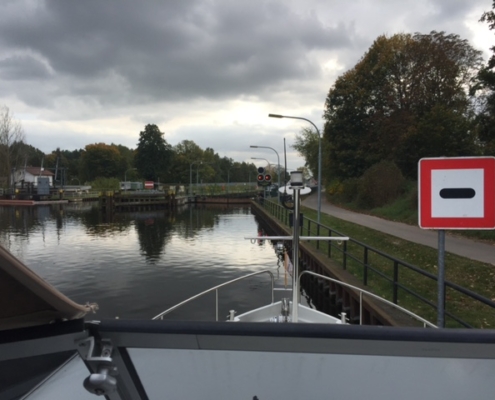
x=264 y=178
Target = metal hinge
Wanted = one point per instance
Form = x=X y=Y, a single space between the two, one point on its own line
x=102 y=381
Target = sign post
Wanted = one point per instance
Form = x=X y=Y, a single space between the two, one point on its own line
x=455 y=193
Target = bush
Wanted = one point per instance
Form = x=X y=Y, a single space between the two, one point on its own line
x=381 y=184
x=105 y=184
x=334 y=188
x=350 y=190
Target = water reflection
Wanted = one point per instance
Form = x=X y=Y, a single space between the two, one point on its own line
x=138 y=264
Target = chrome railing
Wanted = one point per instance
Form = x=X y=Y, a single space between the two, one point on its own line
x=364 y=292
x=215 y=289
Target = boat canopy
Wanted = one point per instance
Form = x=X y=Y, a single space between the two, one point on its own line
x=28 y=300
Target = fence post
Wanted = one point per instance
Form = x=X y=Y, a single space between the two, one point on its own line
x=329 y=244
x=396 y=281
x=365 y=272
x=344 y=260
x=318 y=234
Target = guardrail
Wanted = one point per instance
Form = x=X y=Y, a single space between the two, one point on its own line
x=376 y=268
x=362 y=293
x=215 y=289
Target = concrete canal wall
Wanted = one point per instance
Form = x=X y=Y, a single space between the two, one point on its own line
x=129 y=201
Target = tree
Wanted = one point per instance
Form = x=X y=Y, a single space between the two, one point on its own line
x=73 y=166
x=405 y=88
x=307 y=144
x=11 y=135
x=58 y=164
x=485 y=88
x=100 y=160
x=29 y=155
x=183 y=154
x=127 y=158
x=153 y=153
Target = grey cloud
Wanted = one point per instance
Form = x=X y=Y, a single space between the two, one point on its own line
x=72 y=63
x=173 y=50
x=23 y=67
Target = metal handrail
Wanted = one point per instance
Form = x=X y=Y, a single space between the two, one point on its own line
x=215 y=288
x=282 y=214
x=361 y=292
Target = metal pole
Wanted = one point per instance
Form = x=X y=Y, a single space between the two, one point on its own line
x=190 y=180
x=441 y=279
x=319 y=155
x=295 y=256
x=190 y=176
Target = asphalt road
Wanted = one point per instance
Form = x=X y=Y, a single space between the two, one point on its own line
x=463 y=247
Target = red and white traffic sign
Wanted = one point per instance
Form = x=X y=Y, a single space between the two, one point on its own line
x=456 y=193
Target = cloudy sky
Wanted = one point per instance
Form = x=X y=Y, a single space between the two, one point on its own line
x=81 y=72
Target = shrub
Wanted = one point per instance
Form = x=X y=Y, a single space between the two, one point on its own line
x=350 y=190
x=105 y=184
x=380 y=184
x=334 y=188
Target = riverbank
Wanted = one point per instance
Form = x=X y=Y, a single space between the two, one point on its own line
x=466 y=247
x=464 y=270
x=30 y=202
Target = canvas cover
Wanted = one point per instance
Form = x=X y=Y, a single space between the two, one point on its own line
x=27 y=300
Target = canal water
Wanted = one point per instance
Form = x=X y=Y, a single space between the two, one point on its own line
x=135 y=265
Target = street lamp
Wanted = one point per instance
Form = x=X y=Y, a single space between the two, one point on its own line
x=319 y=155
x=190 y=176
x=125 y=178
x=278 y=163
x=197 y=174
x=257 y=158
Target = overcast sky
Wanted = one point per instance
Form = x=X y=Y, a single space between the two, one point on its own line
x=81 y=72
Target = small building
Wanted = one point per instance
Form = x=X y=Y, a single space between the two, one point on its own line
x=28 y=176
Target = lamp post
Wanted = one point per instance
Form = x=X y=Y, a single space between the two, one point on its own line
x=268 y=162
x=197 y=175
x=190 y=176
x=278 y=164
x=319 y=155
x=125 y=178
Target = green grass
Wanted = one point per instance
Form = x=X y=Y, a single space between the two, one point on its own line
x=405 y=209
x=475 y=276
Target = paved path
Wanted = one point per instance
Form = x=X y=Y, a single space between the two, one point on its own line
x=464 y=247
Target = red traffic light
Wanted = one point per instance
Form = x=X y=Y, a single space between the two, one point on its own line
x=268 y=178
x=261 y=178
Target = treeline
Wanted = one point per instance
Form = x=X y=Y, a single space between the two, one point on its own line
x=407 y=98
x=410 y=96
x=153 y=159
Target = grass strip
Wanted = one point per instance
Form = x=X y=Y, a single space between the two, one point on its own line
x=473 y=275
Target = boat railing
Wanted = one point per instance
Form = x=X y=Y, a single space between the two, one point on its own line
x=215 y=289
x=365 y=292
